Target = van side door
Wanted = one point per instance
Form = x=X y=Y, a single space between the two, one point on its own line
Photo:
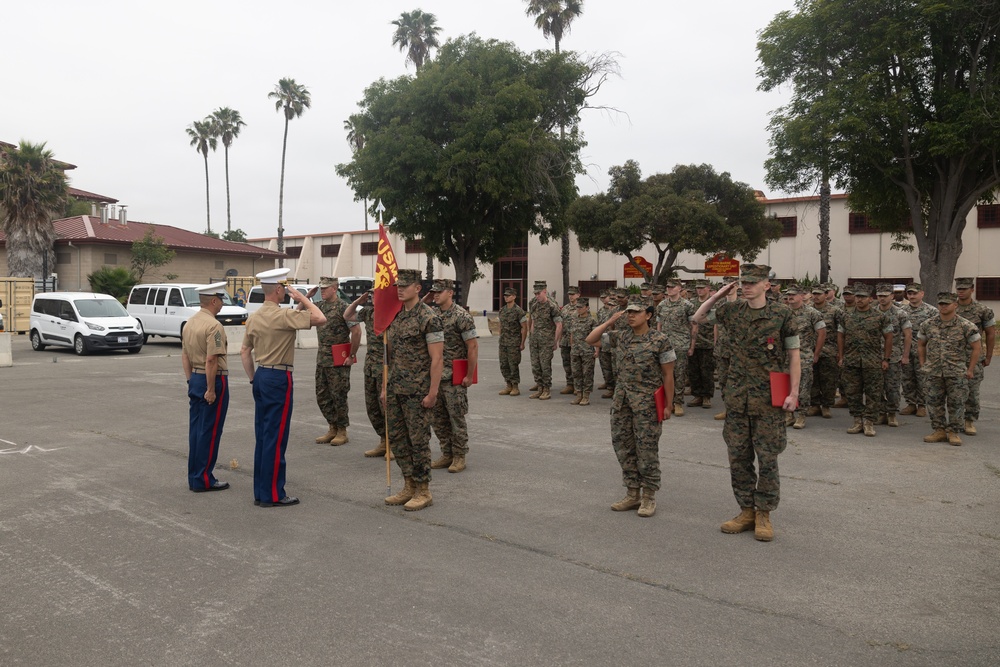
x=173 y=317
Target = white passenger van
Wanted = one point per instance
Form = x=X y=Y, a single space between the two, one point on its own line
x=164 y=309
x=255 y=297
x=84 y=321
x=350 y=288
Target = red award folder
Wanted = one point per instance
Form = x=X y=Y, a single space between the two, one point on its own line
x=781 y=386
x=341 y=353
x=460 y=368
x=660 y=395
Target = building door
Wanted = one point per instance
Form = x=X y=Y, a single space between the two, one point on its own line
x=512 y=271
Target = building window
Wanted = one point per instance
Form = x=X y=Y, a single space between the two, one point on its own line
x=64 y=258
x=369 y=248
x=988 y=215
x=329 y=250
x=219 y=265
x=294 y=252
x=857 y=223
x=988 y=289
x=789 y=226
x=592 y=288
x=414 y=246
x=110 y=258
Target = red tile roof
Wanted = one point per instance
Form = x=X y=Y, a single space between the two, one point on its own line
x=90 y=196
x=85 y=229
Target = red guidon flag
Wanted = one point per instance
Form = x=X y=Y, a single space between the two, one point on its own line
x=385 y=297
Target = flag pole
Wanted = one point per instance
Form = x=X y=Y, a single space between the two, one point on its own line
x=385 y=412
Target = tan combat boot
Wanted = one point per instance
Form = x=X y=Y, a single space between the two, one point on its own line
x=813 y=411
x=695 y=402
x=882 y=419
x=602 y=386
x=534 y=387
x=647 y=506
x=789 y=418
x=738 y=524
x=442 y=462
x=719 y=417
x=910 y=409
x=629 y=502
x=706 y=403
x=341 y=438
x=379 y=449
x=608 y=394
x=579 y=397
x=421 y=498
x=857 y=427
x=514 y=391
x=506 y=390
x=921 y=411
x=585 y=400
x=536 y=394
x=840 y=403
x=545 y=395
x=328 y=436
x=567 y=390
x=409 y=488
x=970 y=427
x=891 y=419
x=763 y=530
x=457 y=463
x=825 y=411
x=678 y=409
x=953 y=439
x=938 y=435
x=800 y=421
x=869 y=428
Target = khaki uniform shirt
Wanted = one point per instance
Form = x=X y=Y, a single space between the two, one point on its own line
x=204 y=336
x=271 y=334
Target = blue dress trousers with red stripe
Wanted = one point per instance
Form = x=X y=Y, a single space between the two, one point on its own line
x=272 y=395
x=205 y=429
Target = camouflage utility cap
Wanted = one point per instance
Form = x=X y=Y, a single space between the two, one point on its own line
x=914 y=287
x=645 y=286
x=573 y=289
x=510 y=291
x=819 y=289
x=540 y=285
x=964 y=283
x=659 y=289
x=947 y=297
x=847 y=290
x=442 y=284
x=583 y=303
x=861 y=289
x=327 y=281
x=794 y=289
x=407 y=277
x=699 y=284
x=754 y=273
x=635 y=303
x=883 y=289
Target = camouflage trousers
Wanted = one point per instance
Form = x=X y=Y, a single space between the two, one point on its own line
x=863 y=388
x=373 y=405
x=947 y=394
x=541 y=360
x=567 y=361
x=635 y=435
x=448 y=420
x=893 y=376
x=332 y=385
x=722 y=364
x=583 y=370
x=913 y=381
x=826 y=376
x=805 y=383
x=510 y=363
x=762 y=436
x=972 y=402
x=701 y=372
x=680 y=376
x=410 y=435
x=607 y=368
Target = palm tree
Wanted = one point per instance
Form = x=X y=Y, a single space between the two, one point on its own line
x=203 y=138
x=32 y=193
x=416 y=34
x=356 y=140
x=228 y=124
x=553 y=18
x=293 y=99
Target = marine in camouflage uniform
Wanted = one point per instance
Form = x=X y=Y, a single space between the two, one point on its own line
x=644 y=358
x=374 y=360
x=568 y=312
x=674 y=320
x=826 y=372
x=701 y=366
x=334 y=382
x=948 y=350
x=603 y=313
x=546 y=323
x=846 y=307
x=415 y=339
x=918 y=312
x=582 y=354
x=765 y=342
x=902 y=331
x=810 y=325
x=513 y=329
x=865 y=347
x=460 y=342
x=983 y=317
x=619 y=297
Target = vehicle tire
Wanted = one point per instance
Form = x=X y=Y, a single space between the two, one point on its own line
x=36 y=341
x=142 y=332
x=80 y=345
x=134 y=350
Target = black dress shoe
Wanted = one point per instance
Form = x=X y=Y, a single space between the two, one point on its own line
x=284 y=502
x=217 y=486
x=256 y=502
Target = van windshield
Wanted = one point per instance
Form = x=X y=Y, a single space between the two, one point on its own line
x=191 y=298
x=100 y=308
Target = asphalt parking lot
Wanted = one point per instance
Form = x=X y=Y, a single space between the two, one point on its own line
x=886 y=548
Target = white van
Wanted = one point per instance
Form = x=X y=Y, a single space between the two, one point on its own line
x=350 y=288
x=164 y=309
x=84 y=321
x=255 y=297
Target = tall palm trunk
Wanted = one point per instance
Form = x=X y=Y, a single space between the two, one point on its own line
x=564 y=240
x=824 y=230
x=430 y=267
x=281 y=195
x=229 y=217
x=208 y=206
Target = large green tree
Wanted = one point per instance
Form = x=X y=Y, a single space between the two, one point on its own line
x=292 y=99
x=203 y=138
x=149 y=252
x=907 y=96
x=228 y=124
x=416 y=35
x=691 y=209
x=466 y=156
x=32 y=194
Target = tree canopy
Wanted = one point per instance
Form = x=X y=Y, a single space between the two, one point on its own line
x=150 y=252
x=692 y=209
x=466 y=155
x=899 y=100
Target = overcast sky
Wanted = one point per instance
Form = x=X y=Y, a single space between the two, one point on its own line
x=111 y=87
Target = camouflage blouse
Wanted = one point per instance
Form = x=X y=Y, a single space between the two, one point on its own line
x=949 y=345
x=511 y=318
x=808 y=322
x=637 y=362
x=900 y=323
x=409 y=361
x=374 y=347
x=544 y=318
x=831 y=317
x=459 y=327
x=580 y=328
x=864 y=336
x=675 y=321
x=336 y=331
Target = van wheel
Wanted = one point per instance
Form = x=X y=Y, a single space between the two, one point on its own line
x=145 y=336
x=134 y=350
x=80 y=345
x=36 y=341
